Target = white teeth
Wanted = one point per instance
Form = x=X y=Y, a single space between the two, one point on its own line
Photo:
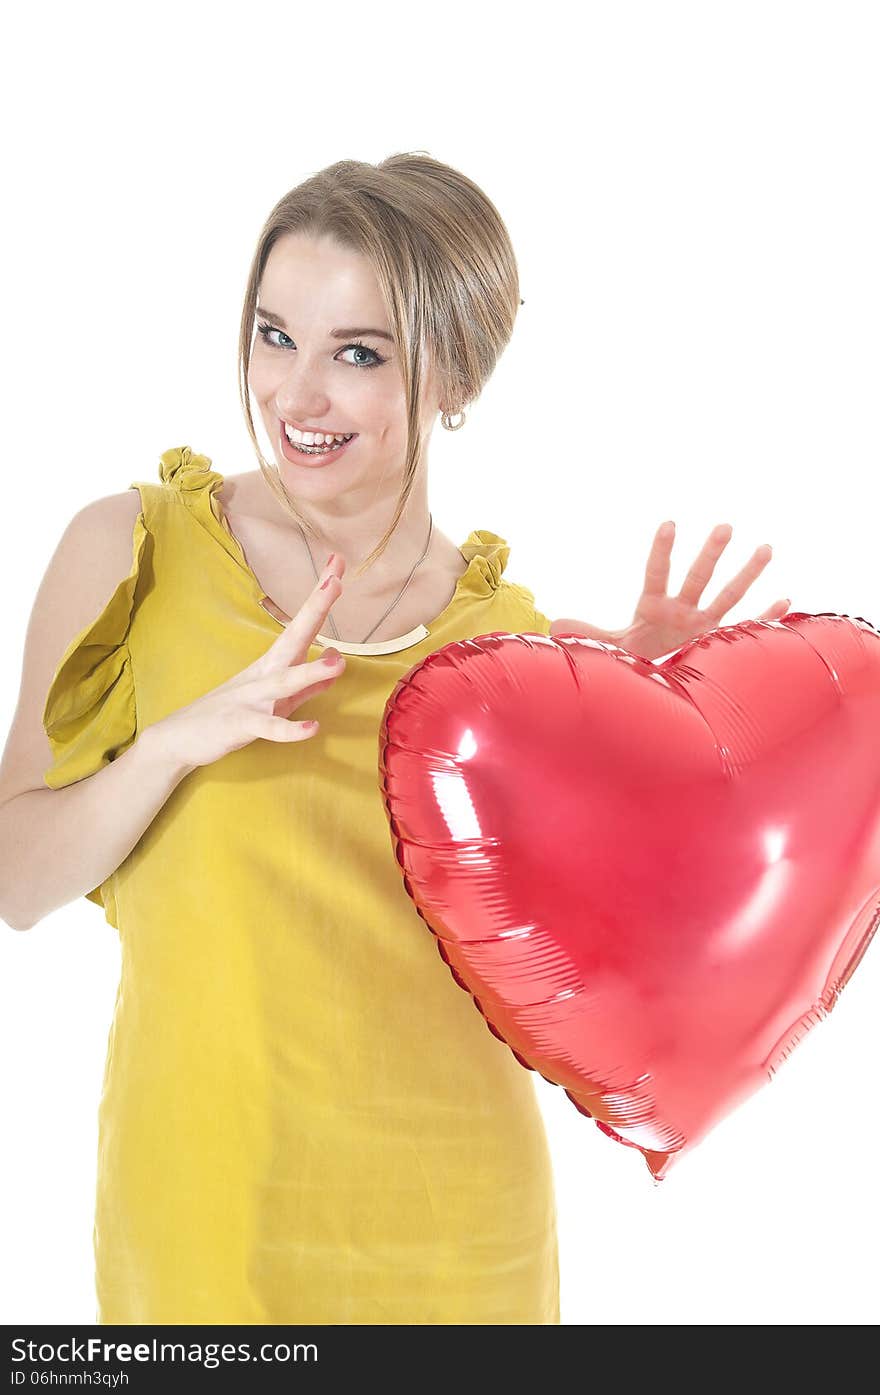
x=314 y=438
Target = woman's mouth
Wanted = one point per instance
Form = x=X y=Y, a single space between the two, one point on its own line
x=301 y=453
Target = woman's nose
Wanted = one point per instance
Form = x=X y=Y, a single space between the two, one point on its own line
x=301 y=391
x=298 y=403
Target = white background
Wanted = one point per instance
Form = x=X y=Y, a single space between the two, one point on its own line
x=692 y=193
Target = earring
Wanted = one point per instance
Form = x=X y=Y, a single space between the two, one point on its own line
x=446 y=420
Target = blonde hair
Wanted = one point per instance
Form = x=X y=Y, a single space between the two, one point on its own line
x=446 y=270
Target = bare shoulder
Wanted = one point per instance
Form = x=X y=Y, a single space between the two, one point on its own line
x=91 y=558
x=101 y=521
x=248 y=495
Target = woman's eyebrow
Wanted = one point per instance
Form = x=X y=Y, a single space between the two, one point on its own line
x=334 y=333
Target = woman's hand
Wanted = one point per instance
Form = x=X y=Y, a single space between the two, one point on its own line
x=257 y=702
x=663 y=623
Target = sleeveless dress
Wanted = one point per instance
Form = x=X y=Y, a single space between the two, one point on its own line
x=303 y=1118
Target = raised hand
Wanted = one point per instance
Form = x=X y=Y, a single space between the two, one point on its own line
x=663 y=623
x=257 y=703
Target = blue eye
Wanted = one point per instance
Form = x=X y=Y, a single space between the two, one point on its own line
x=266 y=330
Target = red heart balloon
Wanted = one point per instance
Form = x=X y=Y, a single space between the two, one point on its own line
x=653 y=878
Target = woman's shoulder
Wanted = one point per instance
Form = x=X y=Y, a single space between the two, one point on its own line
x=102 y=530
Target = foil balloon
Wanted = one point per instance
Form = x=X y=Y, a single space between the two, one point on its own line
x=652 y=877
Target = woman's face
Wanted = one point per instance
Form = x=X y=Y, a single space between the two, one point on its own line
x=323 y=360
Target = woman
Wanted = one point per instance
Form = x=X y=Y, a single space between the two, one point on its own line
x=303 y=1118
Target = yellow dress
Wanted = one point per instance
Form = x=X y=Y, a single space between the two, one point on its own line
x=303 y=1118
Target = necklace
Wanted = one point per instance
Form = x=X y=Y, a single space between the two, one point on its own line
x=396 y=598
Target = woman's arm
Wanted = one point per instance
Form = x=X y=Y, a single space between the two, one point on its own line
x=58 y=844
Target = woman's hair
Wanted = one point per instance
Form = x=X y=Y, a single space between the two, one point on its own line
x=445 y=267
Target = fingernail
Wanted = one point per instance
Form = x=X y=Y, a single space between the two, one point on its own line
x=330 y=559
x=331 y=656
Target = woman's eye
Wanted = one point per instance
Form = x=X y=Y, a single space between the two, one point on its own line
x=364 y=349
x=357 y=347
x=266 y=330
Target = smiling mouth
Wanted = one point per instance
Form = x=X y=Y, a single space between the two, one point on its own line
x=325 y=448
x=297 y=451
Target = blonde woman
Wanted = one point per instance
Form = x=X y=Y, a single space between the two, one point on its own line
x=303 y=1118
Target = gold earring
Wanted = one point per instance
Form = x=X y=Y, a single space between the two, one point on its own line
x=446 y=420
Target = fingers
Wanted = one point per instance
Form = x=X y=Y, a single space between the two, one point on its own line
x=776 y=611
x=293 y=644
x=298 y=681
x=700 y=573
x=734 y=591
x=657 y=568
x=703 y=568
x=289 y=687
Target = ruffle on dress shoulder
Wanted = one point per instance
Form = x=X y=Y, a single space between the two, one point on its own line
x=190 y=476
x=90 y=713
x=186 y=470
x=487 y=554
